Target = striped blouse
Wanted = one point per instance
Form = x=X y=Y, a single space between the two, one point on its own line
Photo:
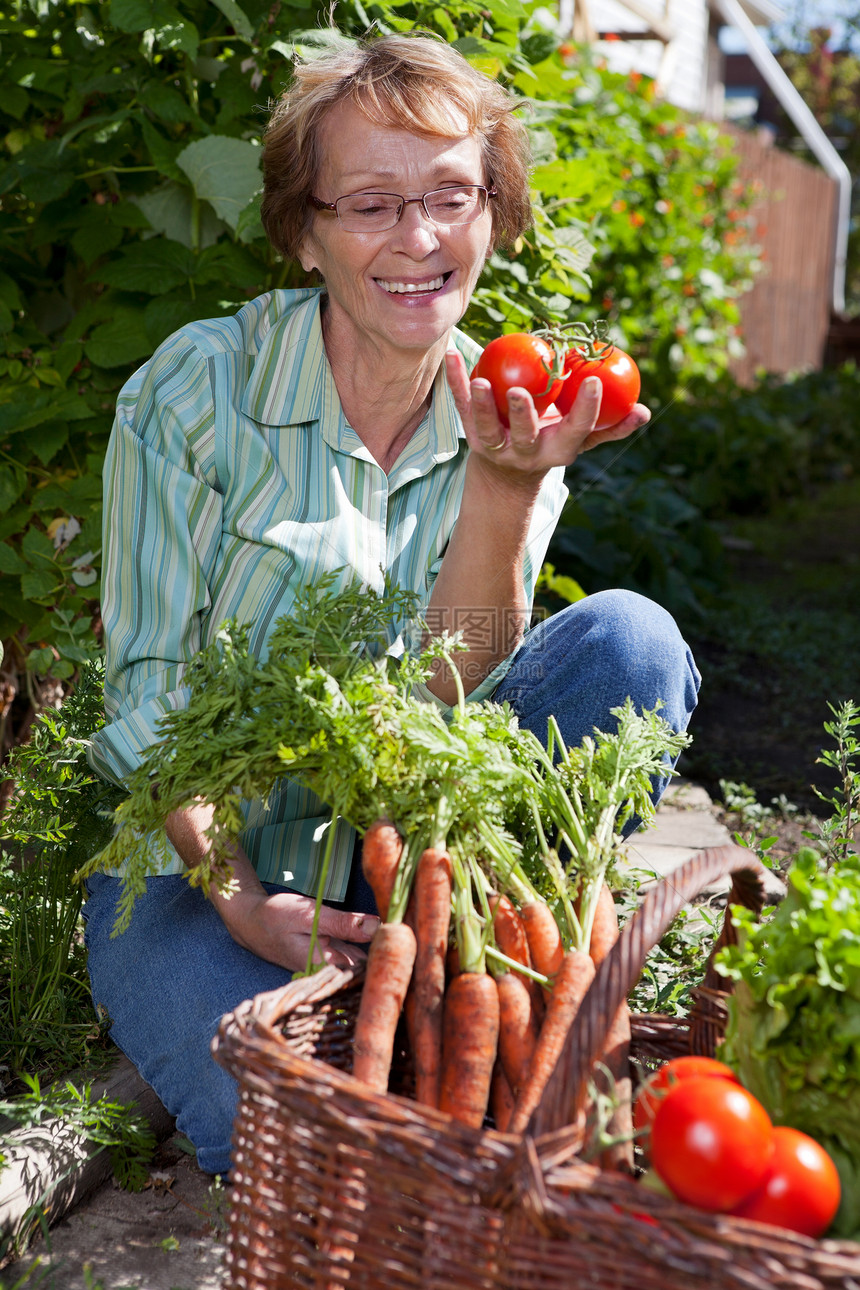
x=232 y=479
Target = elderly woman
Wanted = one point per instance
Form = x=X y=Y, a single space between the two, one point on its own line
x=336 y=428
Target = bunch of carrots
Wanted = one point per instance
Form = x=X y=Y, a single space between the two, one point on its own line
x=481 y=1040
x=491 y=886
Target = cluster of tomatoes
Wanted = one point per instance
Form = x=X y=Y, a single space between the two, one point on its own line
x=553 y=373
x=713 y=1145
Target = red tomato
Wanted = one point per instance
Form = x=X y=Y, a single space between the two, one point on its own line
x=618 y=375
x=519 y=359
x=667 y=1076
x=801 y=1190
x=711 y=1143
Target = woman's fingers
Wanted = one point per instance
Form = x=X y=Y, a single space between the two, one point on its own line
x=330 y=950
x=296 y=914
x=343 y=925
x=635 y=420
x=475 y=403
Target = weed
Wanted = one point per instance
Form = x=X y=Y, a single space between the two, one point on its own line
x=838 y=832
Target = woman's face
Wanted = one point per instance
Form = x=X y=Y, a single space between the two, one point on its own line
x=408 y=286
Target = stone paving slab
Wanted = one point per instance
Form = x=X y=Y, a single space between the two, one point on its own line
x=686 y=823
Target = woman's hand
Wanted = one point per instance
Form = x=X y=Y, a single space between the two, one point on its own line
x=277 y=927
x=532 y=445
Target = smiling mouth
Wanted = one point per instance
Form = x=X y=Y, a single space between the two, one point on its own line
x=395 y=288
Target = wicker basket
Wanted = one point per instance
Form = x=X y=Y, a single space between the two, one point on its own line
x=336 y=1186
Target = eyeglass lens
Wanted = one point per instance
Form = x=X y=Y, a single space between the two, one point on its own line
x=374 y=212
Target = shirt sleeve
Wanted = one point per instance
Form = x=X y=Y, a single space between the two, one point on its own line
x=161 y=534
x=547 y=513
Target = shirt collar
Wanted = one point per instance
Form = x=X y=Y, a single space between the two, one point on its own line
x=292 y=384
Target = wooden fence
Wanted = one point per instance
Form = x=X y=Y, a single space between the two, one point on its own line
x=786 y=315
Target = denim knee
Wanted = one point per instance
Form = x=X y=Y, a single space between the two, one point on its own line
x=591 y=656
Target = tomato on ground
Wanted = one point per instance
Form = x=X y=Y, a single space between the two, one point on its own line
x=711 y=1143
x=522 y=360
x=801 y=1190
x=618 y=375
x=656 y=1087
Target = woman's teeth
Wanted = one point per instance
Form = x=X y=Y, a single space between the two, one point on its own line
x=404 y=288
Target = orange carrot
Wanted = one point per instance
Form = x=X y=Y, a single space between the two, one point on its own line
x=470 y=1037
x=544 y=938
x=571 y=983
x=452 y=962
x=501 y=1099
x=615 y=1053
x=510 y=933
x=518 y=1029
x=432 y=896
x=380 y=856
x=389 y=968
x=604 y=929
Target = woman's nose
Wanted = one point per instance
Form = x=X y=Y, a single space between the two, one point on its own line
x=415 y=232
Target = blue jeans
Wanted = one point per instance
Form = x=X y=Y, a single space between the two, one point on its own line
x=169 y=978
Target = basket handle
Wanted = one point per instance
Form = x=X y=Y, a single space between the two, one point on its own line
x=620 y=970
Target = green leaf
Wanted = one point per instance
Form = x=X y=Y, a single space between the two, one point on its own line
x=223 y=171
x=37 y=546
x=154 y=267
x=128 y=215
x=10 y=560
x=250 y=226
x=96 y=238
x=113 y=344
x=162 y=152
x=9 y=293
x=38 y=584
x=230 y=265
x=41 y=407
x=50 y=439
x=40 y=660
x=167 y=103
x=142 y=15
x=168 y=209
x=165 y=315
x=237 y=18
x=14 y=101
x=180 y=35
x=42 y=178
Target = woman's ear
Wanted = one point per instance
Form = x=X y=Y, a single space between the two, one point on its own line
x=306 y=256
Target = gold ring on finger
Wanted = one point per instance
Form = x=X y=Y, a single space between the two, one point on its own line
x=496 y=447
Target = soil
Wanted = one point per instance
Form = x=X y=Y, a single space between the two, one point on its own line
x=778 y=648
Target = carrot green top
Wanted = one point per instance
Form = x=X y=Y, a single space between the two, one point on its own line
x=232 y=479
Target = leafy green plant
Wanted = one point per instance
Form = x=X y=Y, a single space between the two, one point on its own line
x=795 y=1007
x=102 y=1123
x=839 y=832
x=59 y=813
x=122 y=1131
x=676 y=964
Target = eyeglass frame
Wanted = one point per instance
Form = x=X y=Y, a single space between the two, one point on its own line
x=320 y=205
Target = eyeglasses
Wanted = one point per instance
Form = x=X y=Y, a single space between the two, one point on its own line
x=375 y=212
